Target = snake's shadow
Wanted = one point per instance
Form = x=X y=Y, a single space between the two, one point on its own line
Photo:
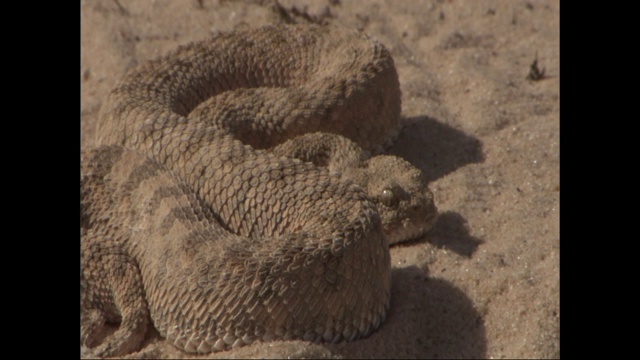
x=438 y=149
x=450 y=232
x=429 y=318
x=434 y=147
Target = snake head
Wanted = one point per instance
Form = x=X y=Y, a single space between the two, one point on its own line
x=399 y=190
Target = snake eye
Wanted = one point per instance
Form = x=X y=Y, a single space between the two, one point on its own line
x=388 y=197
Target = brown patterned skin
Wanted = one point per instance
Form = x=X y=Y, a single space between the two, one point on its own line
x=233 y=198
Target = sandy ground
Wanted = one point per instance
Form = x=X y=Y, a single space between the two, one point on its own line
x=485 y=282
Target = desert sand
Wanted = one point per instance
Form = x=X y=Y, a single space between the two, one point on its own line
x=480 y=119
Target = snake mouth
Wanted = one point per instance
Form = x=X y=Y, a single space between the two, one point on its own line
x=411 y=229
x=407 y=234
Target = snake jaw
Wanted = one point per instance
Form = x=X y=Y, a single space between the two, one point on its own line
x=411 y=228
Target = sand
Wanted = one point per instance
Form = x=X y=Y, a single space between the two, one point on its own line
x=485 y=282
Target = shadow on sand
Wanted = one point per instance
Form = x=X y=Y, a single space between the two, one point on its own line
x=435 y=148
x=429 y=318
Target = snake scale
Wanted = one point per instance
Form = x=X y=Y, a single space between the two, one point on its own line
x=233 y=197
